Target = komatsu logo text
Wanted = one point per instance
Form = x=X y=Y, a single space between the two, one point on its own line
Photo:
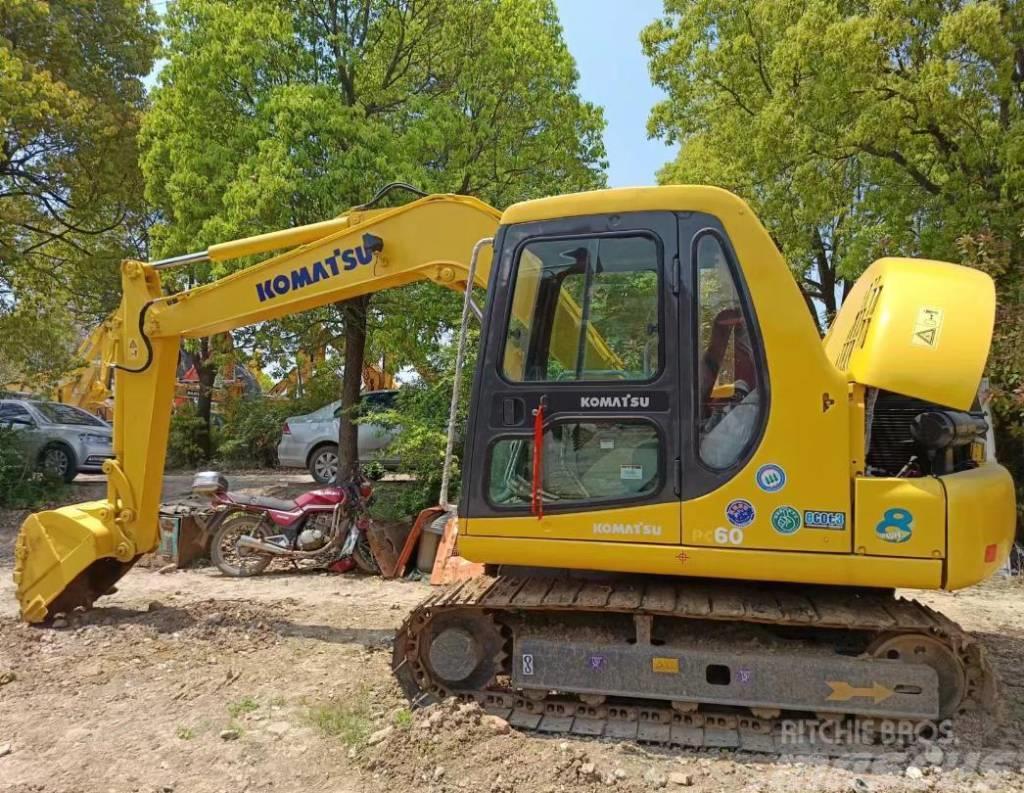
x=618 y=401
x=307 y=275
x=629 y=529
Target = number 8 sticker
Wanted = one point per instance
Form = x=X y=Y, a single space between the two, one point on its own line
x=527 y=663
x=896 y=525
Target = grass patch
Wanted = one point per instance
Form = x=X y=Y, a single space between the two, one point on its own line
x=403 y=719
x=351 y=724
x=185 y=733
x=242 y=706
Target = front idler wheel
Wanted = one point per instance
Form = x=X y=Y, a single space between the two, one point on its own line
x=918 y=648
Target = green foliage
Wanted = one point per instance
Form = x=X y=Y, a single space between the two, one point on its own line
x=859 y=130
x=22 y=486
x=71 y=205
x=184 y=449
x=251 y=431
x=269 y=115
x=397 y=502
x=251 y=426
x=420 y=420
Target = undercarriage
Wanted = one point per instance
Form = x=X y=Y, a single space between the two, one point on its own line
x=688 y=663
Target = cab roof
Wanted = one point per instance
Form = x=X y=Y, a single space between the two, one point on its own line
x=667 y=198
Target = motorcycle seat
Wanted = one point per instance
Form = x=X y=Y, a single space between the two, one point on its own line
x=276 y=504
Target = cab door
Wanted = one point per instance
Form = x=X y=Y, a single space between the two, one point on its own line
x=575 y=421
x=764 y=462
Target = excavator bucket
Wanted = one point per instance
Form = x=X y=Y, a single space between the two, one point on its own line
x=66 y=558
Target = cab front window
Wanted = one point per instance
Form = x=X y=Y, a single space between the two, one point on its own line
x=585 y=309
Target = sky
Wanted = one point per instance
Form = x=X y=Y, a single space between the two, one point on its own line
x=604 y=37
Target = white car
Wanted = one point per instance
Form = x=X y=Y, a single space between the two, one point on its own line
x=311 y=441
x=63 y=439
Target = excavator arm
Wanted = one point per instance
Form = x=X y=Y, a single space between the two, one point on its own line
x=70 y=556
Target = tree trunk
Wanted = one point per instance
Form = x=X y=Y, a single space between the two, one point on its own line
x=354 y=314
x=206 y=369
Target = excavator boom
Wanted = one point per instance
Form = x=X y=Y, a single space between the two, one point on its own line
x=72 y=555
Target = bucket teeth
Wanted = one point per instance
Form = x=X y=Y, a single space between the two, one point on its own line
x=65 y=558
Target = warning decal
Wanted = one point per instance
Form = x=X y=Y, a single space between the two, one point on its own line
x=927 y=328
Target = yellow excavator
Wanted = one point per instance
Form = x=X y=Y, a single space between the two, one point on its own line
x=692 y=512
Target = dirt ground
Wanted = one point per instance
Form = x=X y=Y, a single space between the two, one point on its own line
x=196 y=683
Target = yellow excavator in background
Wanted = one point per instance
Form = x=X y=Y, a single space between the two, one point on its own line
x=90 y=386
x=693 y=513
x=85 y=387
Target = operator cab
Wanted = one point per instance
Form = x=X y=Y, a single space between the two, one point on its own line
x=622 y=371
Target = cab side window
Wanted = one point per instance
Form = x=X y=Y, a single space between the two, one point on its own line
x=729 y=381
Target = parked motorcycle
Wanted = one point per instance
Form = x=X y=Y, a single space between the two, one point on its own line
x=322 y=526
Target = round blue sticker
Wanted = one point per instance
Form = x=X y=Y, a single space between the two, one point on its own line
x=740 y=513
x=771 y=478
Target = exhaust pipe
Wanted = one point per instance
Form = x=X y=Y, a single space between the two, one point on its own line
x=245 y=541
x=253 y=544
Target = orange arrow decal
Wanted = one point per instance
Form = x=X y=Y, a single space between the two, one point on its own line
x=843 y=692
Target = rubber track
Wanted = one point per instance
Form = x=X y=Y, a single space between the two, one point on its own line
x=645 y=720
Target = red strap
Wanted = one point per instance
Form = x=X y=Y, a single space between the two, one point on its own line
x=537 y=496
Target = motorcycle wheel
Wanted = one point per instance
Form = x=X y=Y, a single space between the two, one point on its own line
x=362 y=555
x=229 y=558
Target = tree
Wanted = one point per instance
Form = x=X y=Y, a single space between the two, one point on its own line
x=861 y=128
x=70 y=190
x=270 y=115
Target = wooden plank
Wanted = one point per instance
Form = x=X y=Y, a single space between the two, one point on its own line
x=396 y=569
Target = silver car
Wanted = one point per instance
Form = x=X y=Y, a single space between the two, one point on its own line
x=311 y=441
x=62 y=439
